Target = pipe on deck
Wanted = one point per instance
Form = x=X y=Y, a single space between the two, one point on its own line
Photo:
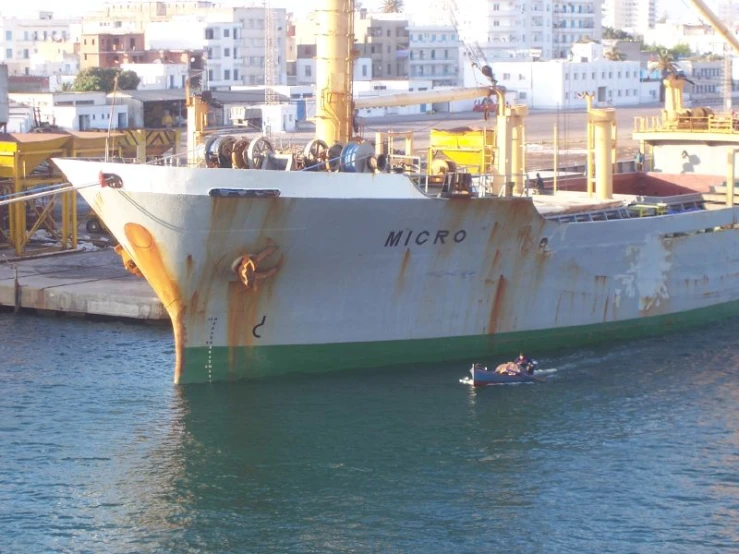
x=423 y=97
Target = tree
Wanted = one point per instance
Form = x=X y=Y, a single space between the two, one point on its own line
x=392 y=6
x=610 y=32
x=681 y=50
x=665 y=64
x=615 y=55
x=128 y=80
x=104 y=79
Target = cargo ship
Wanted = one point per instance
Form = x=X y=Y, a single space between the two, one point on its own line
x=334 y=258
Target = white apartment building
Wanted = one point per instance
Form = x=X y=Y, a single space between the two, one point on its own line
x=728 y=12
x=21 y=39
x=221 y=41
x=701 y=39
x=528 y=29
x=257 y=59
x=303 y=70
x=55 y=58
x=434 y=54
x=158 y=76
x=632 y=16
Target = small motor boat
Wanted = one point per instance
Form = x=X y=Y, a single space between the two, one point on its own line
x=504 y=374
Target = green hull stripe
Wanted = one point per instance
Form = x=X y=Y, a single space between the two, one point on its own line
x=229 y=364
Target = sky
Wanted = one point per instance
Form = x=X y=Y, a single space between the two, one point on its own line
x=676 y=8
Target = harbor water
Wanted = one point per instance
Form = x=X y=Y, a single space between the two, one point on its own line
x=630 y=447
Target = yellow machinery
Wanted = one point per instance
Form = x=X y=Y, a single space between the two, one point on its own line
x=26 y=167
x=470 y=149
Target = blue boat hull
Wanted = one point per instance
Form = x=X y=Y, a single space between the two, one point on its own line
x=483 y=377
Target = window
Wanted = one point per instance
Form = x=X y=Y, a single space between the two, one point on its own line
x=506 y=76
x=236 y=74
x=210 y=74
x=308 y=71
x=226 y=74
x=236 y=53
x=389 y=68
x=209 y=34
x=25 y=53
x=236 y=33
x=226 y=33
x=592 y=76
x=226 y=52
x=9 y=54
x=8 y=35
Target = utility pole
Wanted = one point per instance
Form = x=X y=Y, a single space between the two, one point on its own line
x=269 y=55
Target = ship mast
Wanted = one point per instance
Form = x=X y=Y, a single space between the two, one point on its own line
x=334 y=71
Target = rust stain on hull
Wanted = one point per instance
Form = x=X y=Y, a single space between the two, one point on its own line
x=149 y=260
x=496 y=310
x=403 y=270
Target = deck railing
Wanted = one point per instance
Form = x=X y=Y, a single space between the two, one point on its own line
x=723 y=124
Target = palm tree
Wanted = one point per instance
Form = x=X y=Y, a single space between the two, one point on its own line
x=665 y=64
x=392 y=6
x=615 y=55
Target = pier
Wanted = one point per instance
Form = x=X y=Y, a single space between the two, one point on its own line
x=82 y=283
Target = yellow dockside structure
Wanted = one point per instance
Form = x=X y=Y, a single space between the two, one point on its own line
x=25 y=166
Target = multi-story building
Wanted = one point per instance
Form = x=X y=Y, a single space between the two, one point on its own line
x=632 y=16
x=707 y=81
x=109 y=50
x=221 y=42
x=728 y=12
x=133 y=17
x=303 y=70
x=434 y=54
x=700 y=38
x=55 y=58
x=261 y=63
x=21 y=39
x=524 y=29
x=384 y=39
x=253 y=64
x=572 y=21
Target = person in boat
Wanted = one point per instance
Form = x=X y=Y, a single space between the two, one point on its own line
x=524 y=363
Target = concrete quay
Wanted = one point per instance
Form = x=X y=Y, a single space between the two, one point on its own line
x=83 y=283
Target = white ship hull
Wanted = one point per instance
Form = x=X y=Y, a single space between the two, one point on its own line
x=362 y=270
